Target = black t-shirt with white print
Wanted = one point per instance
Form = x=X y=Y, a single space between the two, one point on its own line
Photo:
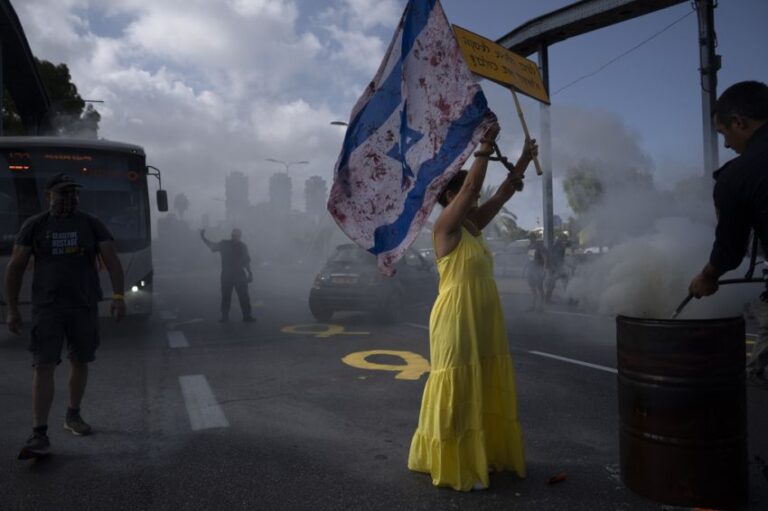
x=64 y=250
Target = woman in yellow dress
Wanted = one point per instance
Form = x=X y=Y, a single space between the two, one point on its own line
x=468 y=422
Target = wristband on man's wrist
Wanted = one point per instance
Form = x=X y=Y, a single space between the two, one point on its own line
x=118 y=296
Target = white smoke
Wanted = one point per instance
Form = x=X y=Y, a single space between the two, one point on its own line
x=647 y=271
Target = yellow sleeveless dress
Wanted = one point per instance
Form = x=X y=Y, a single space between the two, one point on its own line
x=468 y=421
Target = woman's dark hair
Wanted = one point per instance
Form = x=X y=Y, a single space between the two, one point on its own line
x=745 y=99
x=454 y=185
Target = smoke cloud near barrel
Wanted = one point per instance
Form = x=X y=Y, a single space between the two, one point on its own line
x=653 y=242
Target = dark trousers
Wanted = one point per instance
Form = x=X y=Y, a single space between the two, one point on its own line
x=241 y=288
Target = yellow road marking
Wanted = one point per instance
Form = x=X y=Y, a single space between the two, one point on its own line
x=320 y=330
x=415 y=365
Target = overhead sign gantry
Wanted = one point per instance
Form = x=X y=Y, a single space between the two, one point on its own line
x=538 y=34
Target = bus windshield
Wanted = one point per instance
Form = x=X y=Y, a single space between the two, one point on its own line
x=114 y=190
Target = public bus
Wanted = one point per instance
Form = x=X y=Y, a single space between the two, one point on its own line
x=115 y=179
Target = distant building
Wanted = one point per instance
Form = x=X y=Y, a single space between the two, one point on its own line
x=236 y=196
x=280 y=192
x=315 y=196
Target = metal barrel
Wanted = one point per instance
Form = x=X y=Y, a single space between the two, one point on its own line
x=682 y=409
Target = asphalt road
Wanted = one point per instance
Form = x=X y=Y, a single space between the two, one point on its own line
x=189 y=413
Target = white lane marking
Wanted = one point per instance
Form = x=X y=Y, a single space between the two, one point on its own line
x=166 y=315
x=177 y=339
x=565 y=313
x=187 y=322
x=204 y=412
x=573 y=361
x=416 y=325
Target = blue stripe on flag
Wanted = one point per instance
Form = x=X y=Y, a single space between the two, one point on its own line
x=389 y=96
x=378 y=109
x=388 y=237
x=416 y=18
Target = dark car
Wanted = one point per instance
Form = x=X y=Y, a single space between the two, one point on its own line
x=351 y=281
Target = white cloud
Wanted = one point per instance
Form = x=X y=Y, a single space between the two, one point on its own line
x=275 y=9
x=211 y=87
x=371 y=13
x=358 y=50
x=182 y=35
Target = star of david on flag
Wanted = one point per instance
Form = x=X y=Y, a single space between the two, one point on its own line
x=409 y=133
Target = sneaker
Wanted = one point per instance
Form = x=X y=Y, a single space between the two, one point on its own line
x=37 y=446
x=76 y=424
x=249 y=319
x=224 y=319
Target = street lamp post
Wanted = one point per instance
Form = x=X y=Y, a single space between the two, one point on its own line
x=286 y=164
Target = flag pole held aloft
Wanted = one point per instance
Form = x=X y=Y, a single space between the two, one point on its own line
x=525 y=130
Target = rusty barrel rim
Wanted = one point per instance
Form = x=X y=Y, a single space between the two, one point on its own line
x=621 y=318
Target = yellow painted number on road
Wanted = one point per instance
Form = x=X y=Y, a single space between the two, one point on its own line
x=319 y=330
x=414 y=366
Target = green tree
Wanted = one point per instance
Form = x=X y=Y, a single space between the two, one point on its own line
x=582 y=187
x=69 y=115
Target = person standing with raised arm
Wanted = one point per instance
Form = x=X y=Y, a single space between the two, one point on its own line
x=235 y=273
x=468 y=422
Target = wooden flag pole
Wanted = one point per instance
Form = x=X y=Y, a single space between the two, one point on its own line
x=525 y=130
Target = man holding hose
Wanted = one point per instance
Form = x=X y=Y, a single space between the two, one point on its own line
x=741 y=201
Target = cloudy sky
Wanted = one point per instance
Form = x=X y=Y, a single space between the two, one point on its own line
x=212 y=86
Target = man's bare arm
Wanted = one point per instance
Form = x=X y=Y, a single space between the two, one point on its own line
x=14 y=276
x=207 y=242
x=115 y=269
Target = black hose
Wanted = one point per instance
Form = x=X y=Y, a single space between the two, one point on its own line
x=719 y=283
x=740 y=281
x=681 y=306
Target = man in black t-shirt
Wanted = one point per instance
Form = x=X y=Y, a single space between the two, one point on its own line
x=65 y=294
x=235 y=273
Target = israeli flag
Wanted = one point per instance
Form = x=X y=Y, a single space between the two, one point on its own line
x=409 y=133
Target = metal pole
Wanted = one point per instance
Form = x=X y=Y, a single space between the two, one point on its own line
x=545 y=151
x=710 y=64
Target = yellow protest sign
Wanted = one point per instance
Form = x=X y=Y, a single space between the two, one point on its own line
x=415 y=365
x=490 y=60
